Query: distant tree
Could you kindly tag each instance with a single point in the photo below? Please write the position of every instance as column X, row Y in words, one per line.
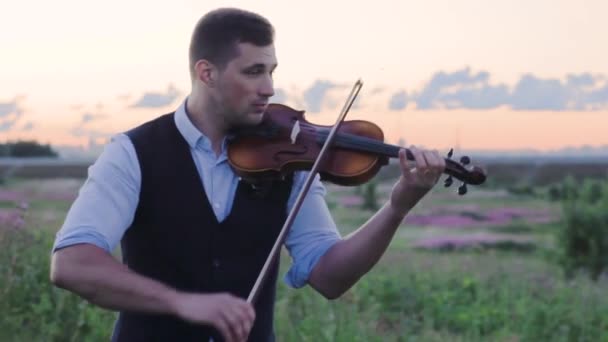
column 4, row 150
column 370, row 197
column 582, row 241
column 26, row 148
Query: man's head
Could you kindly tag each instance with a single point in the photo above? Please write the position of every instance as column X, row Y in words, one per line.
column 232, row 58
column 217, row 33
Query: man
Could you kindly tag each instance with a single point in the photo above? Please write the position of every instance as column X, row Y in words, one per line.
column 193, row 236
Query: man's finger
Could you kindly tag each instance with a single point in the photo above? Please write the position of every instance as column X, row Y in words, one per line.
column 421, row 163
column 222, row 325
column 244, row 323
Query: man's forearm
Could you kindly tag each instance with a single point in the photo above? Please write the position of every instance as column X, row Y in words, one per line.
column 96, row 276
column 356, row 254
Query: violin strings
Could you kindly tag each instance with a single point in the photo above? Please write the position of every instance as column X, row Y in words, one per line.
column 364, row 144
column 360, row 143
column 374, row 146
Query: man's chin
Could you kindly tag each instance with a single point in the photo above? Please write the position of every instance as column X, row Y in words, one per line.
column 250, row 119
column 255, row 117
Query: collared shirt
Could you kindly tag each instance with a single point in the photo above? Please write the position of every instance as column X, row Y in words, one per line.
column 106, row 203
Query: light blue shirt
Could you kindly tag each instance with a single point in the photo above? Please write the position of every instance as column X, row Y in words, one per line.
column 106, row 203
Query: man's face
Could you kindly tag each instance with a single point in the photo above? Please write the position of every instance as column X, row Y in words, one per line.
column 245, row 84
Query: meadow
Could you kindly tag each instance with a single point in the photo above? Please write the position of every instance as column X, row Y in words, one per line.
column 480, row 267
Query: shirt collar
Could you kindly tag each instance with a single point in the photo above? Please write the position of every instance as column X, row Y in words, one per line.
column 187, row 128
column 193, row 136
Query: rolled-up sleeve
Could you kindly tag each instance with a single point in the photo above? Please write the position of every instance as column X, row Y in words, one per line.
column 106, row 202
column 313, row 231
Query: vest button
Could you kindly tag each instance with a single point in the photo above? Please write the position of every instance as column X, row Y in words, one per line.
column 216, row 263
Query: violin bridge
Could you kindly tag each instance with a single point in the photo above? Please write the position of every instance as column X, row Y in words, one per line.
column 294, row 132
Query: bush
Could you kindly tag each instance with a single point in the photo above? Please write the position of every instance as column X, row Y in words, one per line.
column 554, row 193
column 522, row 190
column 370, row 197
column 33, row 308
column 27, row 148
column 583, row 238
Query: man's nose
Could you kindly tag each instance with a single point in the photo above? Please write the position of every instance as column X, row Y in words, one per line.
column 267, row 87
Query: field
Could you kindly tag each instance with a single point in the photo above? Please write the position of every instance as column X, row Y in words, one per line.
column 474, row 268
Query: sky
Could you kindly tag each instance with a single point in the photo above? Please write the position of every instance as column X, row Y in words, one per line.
column 472, row 74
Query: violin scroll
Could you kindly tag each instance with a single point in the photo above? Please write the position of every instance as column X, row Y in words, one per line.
column 474, row 176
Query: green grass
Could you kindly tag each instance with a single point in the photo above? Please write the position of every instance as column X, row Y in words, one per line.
column 411, row 295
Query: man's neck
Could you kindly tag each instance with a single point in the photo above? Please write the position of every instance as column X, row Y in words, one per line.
column 207, row 120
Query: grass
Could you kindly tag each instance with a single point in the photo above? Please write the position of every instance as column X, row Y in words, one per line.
column 411, row 295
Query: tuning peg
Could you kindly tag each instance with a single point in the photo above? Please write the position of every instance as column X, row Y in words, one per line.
column 462, row 189
column 464, row 160
column 450, row 153
column 448, row 181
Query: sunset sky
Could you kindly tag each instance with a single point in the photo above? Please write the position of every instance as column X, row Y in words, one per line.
column 475, row 74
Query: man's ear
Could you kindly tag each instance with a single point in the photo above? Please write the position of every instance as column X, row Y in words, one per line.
column 206, row 72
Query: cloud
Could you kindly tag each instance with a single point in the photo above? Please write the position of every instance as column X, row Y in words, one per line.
column 8, row 108
column 586, row 91
column 28, row 126
column 597, row 99
column 398, row 101
column 10, row 113
column 581, row 80
column 123, row 97
column 84, row 127
column 533, row 93
column 364, row 99
column 315, row 96
column 464, row 89
column 157, row 100
column 88, row 117
column 80, row 131
column 377, row 90
column 77, row 107
column 460, row 89
column 280, row 96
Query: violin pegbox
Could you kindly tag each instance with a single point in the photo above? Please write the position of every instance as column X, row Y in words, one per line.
column 459, row 170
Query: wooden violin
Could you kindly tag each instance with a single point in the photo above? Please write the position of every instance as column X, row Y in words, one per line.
column 285, row 142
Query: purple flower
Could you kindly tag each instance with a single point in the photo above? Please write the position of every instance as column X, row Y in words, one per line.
column 23, row 205
column 11, row 218
column 11, row 196
column 447, row 221
column 464, row 241
column 448, row 217
column 350, row 201
column 58, row 196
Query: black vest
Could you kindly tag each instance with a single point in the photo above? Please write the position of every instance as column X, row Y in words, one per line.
column 176, row 239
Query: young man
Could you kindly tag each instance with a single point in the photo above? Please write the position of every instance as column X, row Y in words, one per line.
column 193, row 236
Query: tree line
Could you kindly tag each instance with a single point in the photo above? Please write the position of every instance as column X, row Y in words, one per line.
column 26, row 148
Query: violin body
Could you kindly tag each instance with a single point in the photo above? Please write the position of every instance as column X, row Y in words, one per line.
column 285, row 142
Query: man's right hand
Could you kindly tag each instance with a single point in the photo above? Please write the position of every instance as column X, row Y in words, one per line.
column 94, row 274
column 232, row 316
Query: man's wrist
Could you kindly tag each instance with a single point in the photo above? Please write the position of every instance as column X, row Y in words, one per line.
column 171, row 298
column 397, row 212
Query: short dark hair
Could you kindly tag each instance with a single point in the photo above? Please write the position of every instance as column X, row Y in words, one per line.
column 216, row 34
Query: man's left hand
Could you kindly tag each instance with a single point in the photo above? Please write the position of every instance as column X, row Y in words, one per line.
column 416, row 181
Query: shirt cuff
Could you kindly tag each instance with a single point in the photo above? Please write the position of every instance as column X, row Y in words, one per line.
column 74, row 238
column 298, row 274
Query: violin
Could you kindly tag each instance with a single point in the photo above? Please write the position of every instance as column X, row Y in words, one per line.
column 285, row 142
